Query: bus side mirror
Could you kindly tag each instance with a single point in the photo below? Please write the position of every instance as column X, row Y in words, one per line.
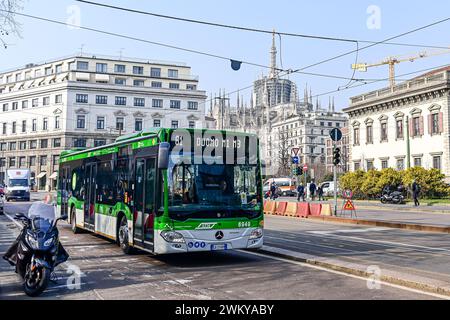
column 163, row 156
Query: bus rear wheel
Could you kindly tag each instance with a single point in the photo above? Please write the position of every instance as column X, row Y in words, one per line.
column 123, row 236
column 73, row 221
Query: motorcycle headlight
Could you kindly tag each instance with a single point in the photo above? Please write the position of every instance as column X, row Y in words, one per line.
column 257, row 233
column 173, row 237
column 48, row 242
column 32, row 242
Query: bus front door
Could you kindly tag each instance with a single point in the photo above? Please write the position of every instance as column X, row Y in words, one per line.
column 144, row 202
column 90, row 196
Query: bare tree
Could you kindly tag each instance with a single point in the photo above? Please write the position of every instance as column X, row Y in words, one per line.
column 284, row 151
column 8, row 22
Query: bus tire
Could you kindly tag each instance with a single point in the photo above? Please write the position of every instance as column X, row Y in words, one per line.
column 123, row 235
column 73, row 221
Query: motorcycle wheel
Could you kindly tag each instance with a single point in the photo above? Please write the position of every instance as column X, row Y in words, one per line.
column 383, row 200
column 36, row 282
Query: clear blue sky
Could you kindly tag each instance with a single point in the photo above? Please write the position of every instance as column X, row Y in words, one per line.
column 41, row 40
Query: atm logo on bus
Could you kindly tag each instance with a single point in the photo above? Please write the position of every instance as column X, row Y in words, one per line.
column 206, row 226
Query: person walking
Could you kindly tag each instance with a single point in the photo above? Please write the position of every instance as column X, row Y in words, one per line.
column 416, row 193
column 320, row 193
column 312, row 190
column 300, row 192
column 273, row 190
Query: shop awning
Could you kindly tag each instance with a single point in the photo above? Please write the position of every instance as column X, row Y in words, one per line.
column 41, row 175
column 54, row 175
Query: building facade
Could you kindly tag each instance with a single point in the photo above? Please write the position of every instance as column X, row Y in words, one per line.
column 404, row 126
column 86, row 101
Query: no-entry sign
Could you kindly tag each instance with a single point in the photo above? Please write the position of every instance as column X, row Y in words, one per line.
column 305, row 167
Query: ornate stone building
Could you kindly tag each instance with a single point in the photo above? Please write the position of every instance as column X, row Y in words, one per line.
column 402, row 127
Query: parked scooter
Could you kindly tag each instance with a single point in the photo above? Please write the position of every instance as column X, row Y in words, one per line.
column 37, row 250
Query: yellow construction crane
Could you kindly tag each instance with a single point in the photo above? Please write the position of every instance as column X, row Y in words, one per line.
column 392, row 61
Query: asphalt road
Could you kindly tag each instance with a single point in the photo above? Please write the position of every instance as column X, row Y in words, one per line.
column 418, row 254
column 106, row 273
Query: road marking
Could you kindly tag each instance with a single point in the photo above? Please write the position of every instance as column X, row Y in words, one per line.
column 350, row 231
column 348, row 275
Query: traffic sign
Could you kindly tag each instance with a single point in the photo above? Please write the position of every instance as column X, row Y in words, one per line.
column 336, row 134
column 348, row 194
column 295, row 151
column 349, row 206
column 295, row 160
column 305, row 167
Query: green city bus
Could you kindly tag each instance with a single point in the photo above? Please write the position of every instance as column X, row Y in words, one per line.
column 167, row 191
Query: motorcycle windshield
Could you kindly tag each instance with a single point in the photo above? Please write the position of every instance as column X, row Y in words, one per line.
column 42, row 216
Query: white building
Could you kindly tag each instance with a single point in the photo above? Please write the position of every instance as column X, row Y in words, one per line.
column 416, row 113
column 87, row 101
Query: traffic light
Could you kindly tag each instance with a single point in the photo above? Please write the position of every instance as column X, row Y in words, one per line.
column 300, row 171
column 336, row 156
column 294, row 171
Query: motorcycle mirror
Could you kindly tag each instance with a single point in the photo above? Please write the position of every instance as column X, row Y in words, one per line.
column 20, row 215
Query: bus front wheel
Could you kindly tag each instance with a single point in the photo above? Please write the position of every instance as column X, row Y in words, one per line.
column 73, row 221
column 123, row 236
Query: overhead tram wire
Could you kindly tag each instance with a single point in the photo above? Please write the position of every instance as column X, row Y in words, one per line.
column 235, row 27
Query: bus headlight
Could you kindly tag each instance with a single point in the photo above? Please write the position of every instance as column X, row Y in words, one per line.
column 256, row 234
column 173, row 237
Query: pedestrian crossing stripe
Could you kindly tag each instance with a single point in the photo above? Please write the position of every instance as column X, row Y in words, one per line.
column 349, row 206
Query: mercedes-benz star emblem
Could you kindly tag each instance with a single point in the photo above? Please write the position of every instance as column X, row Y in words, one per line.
column 219, row 235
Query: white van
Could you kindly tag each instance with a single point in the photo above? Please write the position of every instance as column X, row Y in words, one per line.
column 287, row 186
column 18, row 184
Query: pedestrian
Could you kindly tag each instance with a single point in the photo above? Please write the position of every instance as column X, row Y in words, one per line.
column 273, row 190
column 312, row 190
column 416, row 193
column 300, row 193
column 320, row 193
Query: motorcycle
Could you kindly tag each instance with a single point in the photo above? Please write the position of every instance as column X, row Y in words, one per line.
column 395, row 197
column 37, row 250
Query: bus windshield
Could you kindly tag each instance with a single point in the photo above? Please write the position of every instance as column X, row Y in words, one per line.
column 214, row 191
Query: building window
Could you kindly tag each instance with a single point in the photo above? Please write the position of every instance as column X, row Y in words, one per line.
column 82, row 65
column 155, row 73
column 44, row 144
column 34, row 125
column 22, row 162
column 191, row 124
column 3, row 146
column 157, row 123
column 12, row 162
column 58, row 99
column 121, row 101
column 174, row 124
column 82, row 98
column 15, row 106
column 33, row 144
column 138, row 70
column 121, row 81
column 25, row 104
column 370, row 165
column 156, row 84
column 45, row 124
column 384, row 164
column 99, row 142
column 138, row 125
column 35, row 103
column 437, row 162
column 5, row 107
column 13, row 129
column 417, row 162
column 79, row 142
column 81, row 122
column 58, row 68
column 46, row 101
column 12, row 146
column 175, row 104
column 101, row 68
column 174, row 86
column 357, row 166
column 434, row 124
column 139, row 102
column 57, row 122
column 22, row 145
column 119, row 68
column 399, row 129
column 32, row 161
column 417, row 126
column 191, row 87
column 101, row 99
column 48, row 71
column 24, row 126
column 100, row 123
column 369, row 134
column 138, row 83
column 157, row 103
column 384, row 132
column 120, row 123
column 192, row 105
column 356, row 136
column 172, row 73
column 57, row 143
column 400, row 164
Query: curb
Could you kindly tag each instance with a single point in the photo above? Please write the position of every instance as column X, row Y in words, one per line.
column 386, row 224
column 406, row 209
column 354, row 269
